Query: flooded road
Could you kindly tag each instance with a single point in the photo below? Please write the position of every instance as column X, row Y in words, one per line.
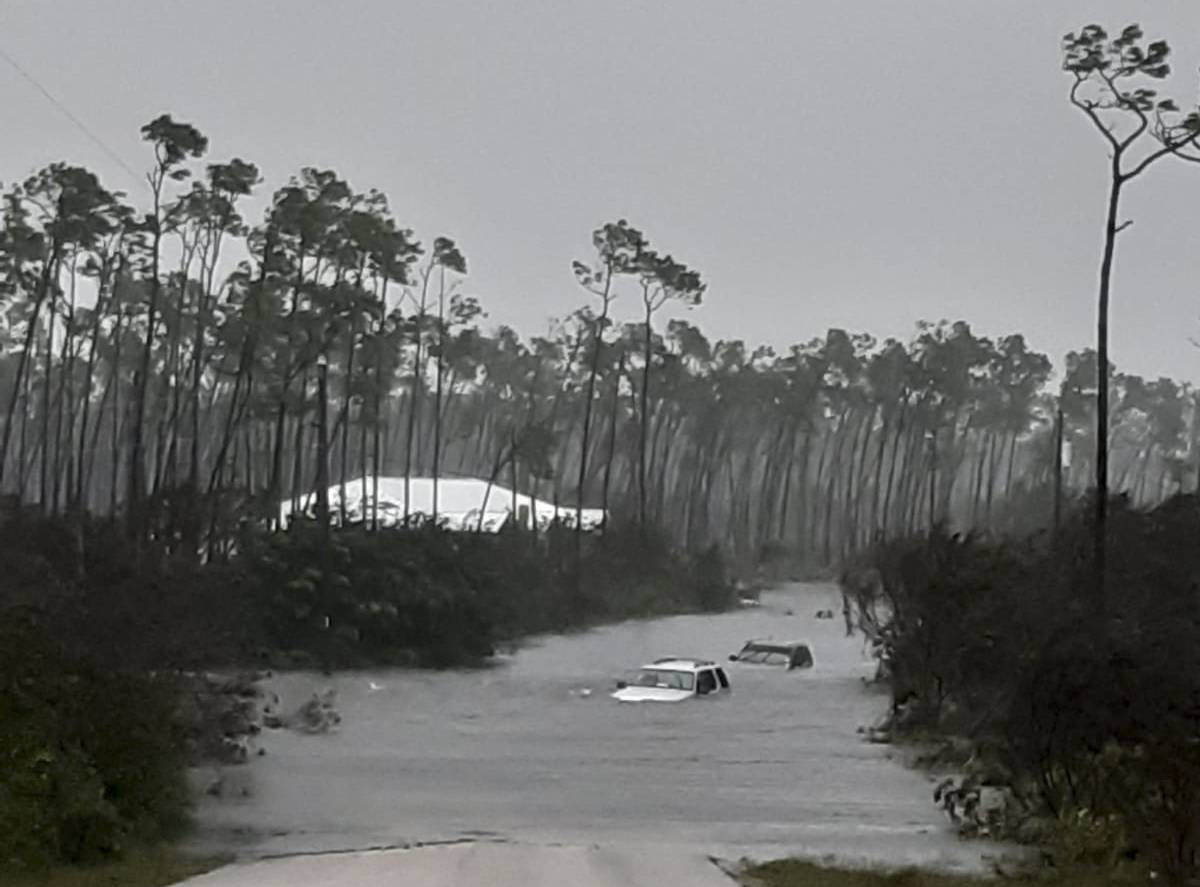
column 519, row 753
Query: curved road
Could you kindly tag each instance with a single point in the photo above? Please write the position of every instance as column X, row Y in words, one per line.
column 522, row 753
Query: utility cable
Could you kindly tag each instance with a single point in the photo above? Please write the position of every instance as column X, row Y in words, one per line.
column 66, row 112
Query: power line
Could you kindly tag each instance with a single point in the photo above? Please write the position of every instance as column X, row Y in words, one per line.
column 67, row 113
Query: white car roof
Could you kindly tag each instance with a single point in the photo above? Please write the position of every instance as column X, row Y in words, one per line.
column 678, row 663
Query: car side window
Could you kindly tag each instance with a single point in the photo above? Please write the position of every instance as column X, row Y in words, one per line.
column 706, row 682
column 724, row 680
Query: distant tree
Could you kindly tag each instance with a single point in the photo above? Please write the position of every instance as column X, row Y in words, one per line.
column 447, row 257
column 662, row 280
column 174, row 143
column 1140, row 129
column 619, row 248
column 810, row 453
column 59, row 212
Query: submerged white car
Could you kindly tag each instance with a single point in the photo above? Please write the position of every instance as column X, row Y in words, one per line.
column 673, row 680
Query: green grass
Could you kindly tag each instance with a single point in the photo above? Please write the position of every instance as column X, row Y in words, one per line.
column 150, row 868
column 794, row 873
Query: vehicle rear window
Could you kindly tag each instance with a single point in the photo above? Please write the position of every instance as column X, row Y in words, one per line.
column 766, row 655
column 661, row 677
column 721, row 677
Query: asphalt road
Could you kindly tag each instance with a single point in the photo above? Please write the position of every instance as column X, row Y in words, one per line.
column 479, row 865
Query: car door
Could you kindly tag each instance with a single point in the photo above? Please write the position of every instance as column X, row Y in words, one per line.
column 706, row 682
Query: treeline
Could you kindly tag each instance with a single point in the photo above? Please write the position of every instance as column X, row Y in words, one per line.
column 1083, row 729
column 166, row 363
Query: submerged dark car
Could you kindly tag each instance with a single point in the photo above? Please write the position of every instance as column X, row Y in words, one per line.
column 792, row 654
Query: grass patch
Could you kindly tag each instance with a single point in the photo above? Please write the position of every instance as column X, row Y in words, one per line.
column 795, row 873
column 146, row 868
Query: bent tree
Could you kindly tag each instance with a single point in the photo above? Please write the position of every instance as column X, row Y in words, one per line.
column 1140, row 128
column 174, row 143
column 619, row 248
column 662, row 280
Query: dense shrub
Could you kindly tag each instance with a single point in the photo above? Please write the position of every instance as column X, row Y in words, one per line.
column 354, row 597
column 1095, row 723
column 429, row 596
column 98, row 718
column 91, row 760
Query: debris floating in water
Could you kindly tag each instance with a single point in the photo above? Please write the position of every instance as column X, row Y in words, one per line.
column 318, row 715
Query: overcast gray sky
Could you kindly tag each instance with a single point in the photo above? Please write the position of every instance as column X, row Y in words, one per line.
column 852, row 164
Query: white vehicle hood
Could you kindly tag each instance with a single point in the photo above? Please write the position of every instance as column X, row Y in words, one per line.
column 650, row 694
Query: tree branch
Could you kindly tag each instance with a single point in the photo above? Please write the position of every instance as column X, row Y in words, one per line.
column 1089, row 108
column 1121, row 227
column 1129, row 105
column 1168, row 147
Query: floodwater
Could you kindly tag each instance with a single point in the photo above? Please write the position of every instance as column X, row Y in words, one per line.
column 523, row 753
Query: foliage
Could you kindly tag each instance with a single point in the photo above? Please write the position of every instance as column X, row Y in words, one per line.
column 1113, row 85
column 159, row 366
column 1091, row 726
column 91, row 759
column 92, row 744
column 98, row 716
column 159, row 867
column 425, row 595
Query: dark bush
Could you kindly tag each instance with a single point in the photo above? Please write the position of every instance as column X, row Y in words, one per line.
column 91, row 758
column 350, row 596
column 98, row 718
column 1095, row 720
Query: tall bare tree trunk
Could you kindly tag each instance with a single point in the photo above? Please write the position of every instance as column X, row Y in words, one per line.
column 1100, row 529
column 612, row 438
column 593, row 372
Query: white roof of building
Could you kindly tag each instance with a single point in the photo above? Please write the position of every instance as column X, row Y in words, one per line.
column 460, row 502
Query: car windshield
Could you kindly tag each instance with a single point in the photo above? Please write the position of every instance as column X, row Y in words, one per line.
column 662, row 677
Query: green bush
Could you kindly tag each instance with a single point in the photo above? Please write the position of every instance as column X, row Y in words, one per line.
column 350, row 596
column 1095, row 721
column 91, row 759
column 90, row 751
column 97, row 721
